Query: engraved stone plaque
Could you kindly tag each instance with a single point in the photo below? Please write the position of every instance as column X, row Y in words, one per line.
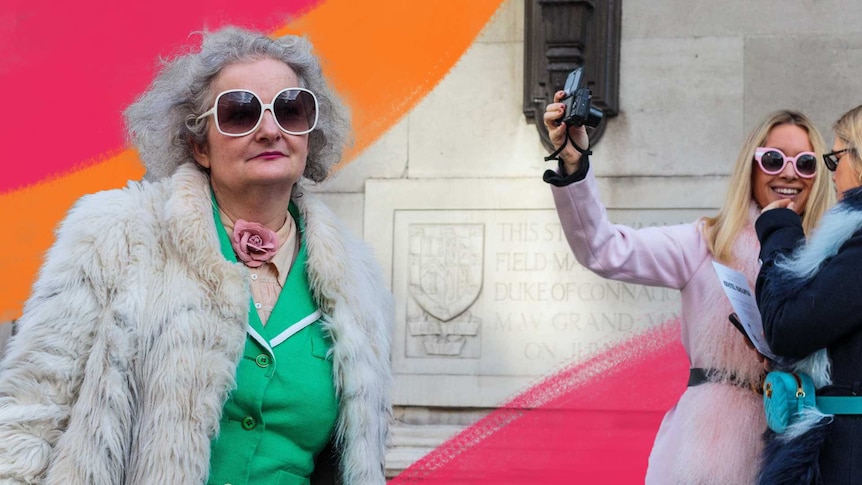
column 445, row 278
column 490, row 298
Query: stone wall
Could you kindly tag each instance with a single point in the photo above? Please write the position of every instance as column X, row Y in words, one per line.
column 488, row 296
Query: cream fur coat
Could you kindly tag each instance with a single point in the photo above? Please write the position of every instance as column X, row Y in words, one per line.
column 128, row 346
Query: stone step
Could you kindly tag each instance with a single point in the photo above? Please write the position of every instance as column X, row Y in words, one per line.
column 409, row 443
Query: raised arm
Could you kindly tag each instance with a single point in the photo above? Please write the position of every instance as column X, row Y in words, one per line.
column 660, row 256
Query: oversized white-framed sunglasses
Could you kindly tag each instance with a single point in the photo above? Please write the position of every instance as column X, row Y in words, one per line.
column 238, row 112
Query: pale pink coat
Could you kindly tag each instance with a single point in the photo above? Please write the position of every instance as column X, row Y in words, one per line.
column 713, row 434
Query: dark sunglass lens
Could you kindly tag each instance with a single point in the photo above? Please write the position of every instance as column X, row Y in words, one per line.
column 831, row 161
column 238, row 112
column 772, row 161
column 295, row 110
column 806, row 164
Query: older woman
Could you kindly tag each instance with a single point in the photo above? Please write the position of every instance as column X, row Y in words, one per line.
column 809, row 300
column 713, row 434
column 214, row 323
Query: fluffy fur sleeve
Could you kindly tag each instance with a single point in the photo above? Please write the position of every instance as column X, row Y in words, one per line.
column 45, row 363
column 348, row 282
column 363, row 364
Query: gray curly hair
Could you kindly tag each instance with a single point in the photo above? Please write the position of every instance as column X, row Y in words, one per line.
column 156, row 122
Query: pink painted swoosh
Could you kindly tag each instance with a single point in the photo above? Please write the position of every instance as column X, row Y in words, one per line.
column 593, row 422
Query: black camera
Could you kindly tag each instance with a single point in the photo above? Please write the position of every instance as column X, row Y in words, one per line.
column 579, row 108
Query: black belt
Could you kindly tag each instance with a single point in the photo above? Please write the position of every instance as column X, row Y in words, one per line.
column 698, row 376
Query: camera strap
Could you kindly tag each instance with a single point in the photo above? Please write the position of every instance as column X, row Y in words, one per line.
column 556, row 154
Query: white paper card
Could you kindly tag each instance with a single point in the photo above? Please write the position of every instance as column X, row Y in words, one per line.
column 744, row 305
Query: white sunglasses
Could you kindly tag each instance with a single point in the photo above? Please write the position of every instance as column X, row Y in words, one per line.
column 238, row 112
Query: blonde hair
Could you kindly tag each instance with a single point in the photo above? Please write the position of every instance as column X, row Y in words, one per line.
column 721, row 231
column 849, row 129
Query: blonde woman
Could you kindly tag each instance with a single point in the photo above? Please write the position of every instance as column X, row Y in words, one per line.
column 713, row 434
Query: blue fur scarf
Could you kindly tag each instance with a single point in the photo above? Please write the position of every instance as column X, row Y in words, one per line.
column 792, row 457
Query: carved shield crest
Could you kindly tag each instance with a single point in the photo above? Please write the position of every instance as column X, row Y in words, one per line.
column 446, row 265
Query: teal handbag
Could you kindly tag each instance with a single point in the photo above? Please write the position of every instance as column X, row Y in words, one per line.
column 785, row 395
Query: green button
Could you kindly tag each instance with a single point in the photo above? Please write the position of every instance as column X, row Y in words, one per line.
column 248, row 423
column 262, row 360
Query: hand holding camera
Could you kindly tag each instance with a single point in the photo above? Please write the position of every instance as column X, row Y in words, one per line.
column 566, row 117
column 570, row 158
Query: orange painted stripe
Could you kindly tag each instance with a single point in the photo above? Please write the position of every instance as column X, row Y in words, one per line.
column 383, row 56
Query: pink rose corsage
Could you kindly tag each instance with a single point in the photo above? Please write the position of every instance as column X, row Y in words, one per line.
column 253, row 243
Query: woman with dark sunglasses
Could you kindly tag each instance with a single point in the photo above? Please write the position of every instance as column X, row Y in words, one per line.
column 713, row 434
column 214, row 323
column 810, row 300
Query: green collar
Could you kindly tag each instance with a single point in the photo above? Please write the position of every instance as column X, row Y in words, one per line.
column 295, row 304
